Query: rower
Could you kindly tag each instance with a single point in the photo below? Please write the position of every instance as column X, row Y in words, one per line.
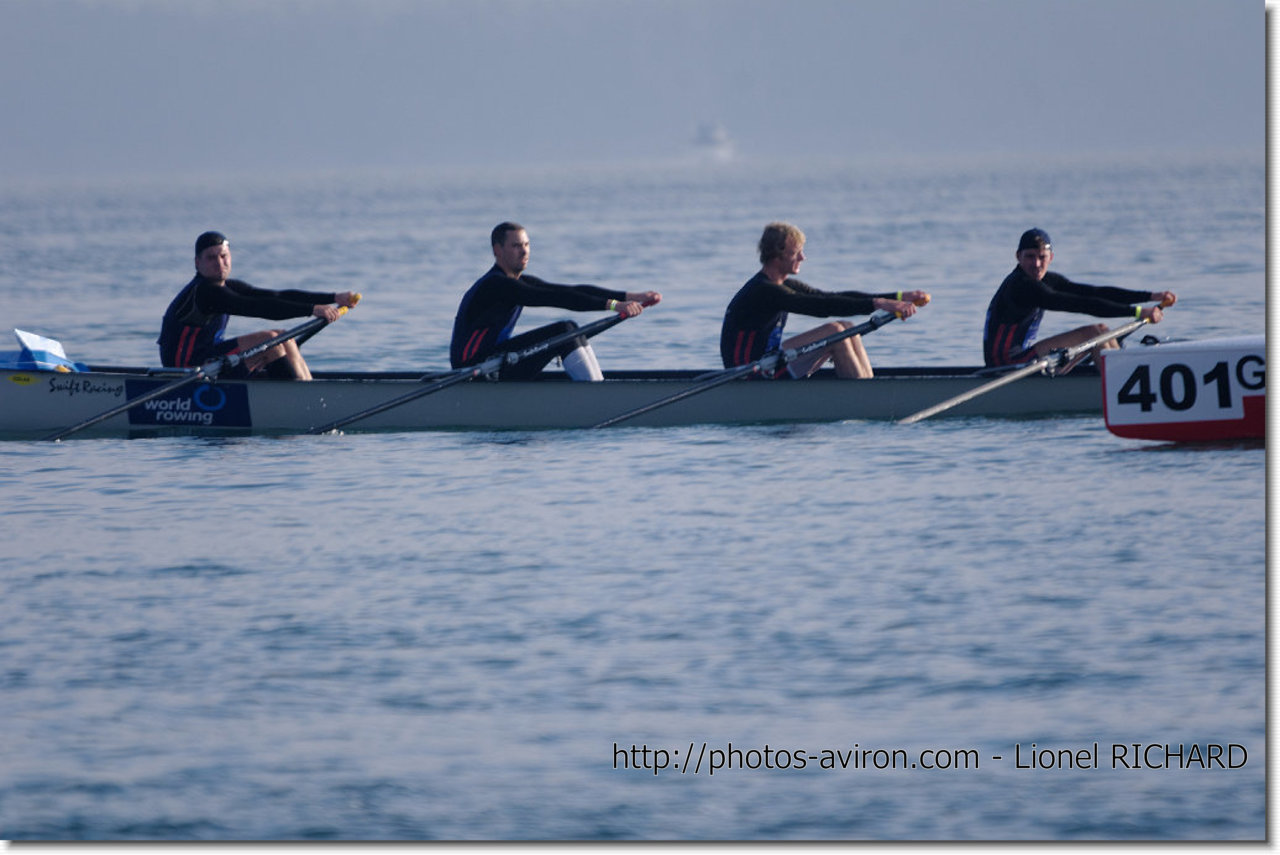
column 490, row 308
column 757, row 313
column 193, row 326
column 1019, row 304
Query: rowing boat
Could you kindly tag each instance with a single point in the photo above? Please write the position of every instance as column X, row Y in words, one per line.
column 35, row 403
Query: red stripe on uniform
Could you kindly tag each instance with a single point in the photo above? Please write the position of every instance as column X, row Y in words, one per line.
column 473, row 344
column 186, row 344
column 1003, row 341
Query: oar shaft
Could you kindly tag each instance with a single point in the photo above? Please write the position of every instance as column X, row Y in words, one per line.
column 1004, row 380
column 342, row 311
column 718, row 380
column 231, row 360
column 462, row 375
column 209, row 371
column 877, row 320
column 766, row 364
column 195, row 376
column 1048, row 362
column 591, row 329
column 1119, row 332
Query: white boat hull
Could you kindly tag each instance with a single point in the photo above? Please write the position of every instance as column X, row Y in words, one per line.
column 34, row 404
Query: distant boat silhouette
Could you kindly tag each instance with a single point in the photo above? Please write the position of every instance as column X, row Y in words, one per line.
column 712, row 141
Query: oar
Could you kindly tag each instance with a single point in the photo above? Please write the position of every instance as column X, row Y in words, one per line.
column 770, row 362
column 209, row 371
column 1049, row 363
column 470, row 372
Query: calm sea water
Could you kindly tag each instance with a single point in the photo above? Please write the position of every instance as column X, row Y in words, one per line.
column 524, row 635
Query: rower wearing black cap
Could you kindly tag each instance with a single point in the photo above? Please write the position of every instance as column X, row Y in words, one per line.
column 193, row 326
column 1015, row 312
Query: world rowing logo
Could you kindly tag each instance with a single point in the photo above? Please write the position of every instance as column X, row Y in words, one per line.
column 207, row 405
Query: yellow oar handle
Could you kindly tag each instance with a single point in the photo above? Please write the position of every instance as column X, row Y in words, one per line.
column 922, row 300
column 342, row 310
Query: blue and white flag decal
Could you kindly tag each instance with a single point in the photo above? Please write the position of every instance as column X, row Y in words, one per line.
column 38, row 354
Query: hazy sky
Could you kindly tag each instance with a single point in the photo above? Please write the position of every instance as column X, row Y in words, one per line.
column 131, row 86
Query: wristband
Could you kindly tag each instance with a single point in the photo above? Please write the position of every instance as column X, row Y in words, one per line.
column 899, row 296
column 611, row 305
column 1137, row 312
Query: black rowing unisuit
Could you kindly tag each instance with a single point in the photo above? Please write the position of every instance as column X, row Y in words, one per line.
column 1014, row 314
column 755, row 317
column 192, row 329
column 490, row 308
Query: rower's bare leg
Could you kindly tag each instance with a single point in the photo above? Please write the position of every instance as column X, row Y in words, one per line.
column 848, row 355
column 1072, row 338
column 858, row 351
column 288, row 352
column 808, row 364
column 293, row 357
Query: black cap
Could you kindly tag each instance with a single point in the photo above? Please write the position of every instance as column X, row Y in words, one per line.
column 209, row 239
column 1034, row 239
